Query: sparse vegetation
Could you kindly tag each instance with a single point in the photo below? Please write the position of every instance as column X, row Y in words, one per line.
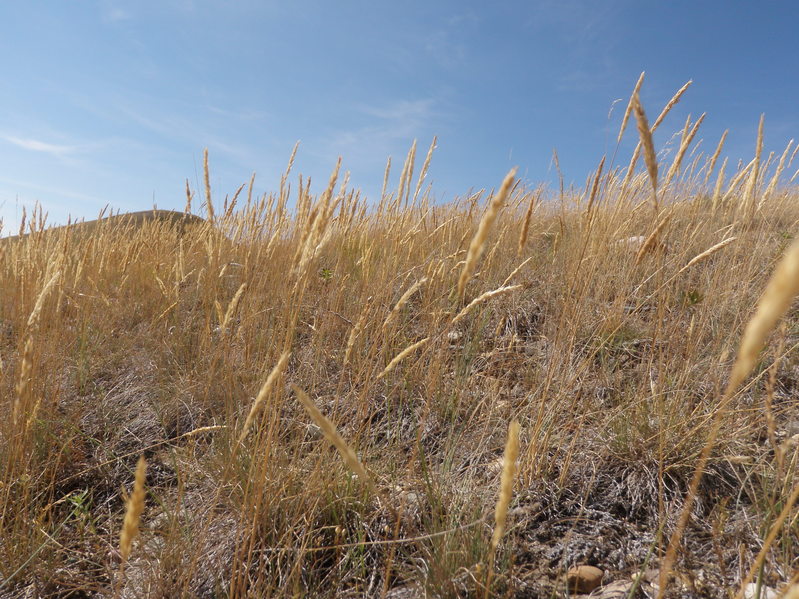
column 330, row 394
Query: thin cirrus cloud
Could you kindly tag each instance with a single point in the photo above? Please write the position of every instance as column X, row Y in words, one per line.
column 169, row 126
column 384, row 130
column 112, row 11
column 390, row 124
column 117, row 14
column 402, row 110
column 49, row 189
column 35, row 145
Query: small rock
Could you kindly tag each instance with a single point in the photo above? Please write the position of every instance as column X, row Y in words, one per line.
column 407, row 592
column 750, row 592
column 615, row 590
column 634, row 242
column 584, row 579
column 651, row 575
column 314, row 431
column 454, row 337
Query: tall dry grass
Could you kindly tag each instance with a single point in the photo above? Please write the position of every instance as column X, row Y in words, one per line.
column 606, row 321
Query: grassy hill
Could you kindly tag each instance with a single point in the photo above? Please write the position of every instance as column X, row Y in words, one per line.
column 323, row 394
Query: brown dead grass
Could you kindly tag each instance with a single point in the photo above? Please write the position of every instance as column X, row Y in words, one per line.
column 416, row 349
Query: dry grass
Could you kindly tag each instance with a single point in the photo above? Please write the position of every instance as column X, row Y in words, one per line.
column 650, row 158
column 657, row 423
column 477, row 245
column 133, row 512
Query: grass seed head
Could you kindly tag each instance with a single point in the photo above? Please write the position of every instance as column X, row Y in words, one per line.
column 478, row 241
column 506, row 483
column 650, row 158
column 209, row 205
column 402, row 355
column 331, row 434
column 133, row 511
column 670, row 104
column 715, row 156
column 782, row 288
column 630, row 106
column 266, row 388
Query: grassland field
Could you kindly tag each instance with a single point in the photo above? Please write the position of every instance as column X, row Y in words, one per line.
column 339, row 396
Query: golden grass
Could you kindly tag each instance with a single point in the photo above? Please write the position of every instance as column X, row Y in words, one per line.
column 685, row 143
column 506, row 484
column 402, row 355
column 749, row 203
column 776, row 528
column 402, row 301
column 782, row 288
column 651, row 240
column 635, row 101
column 484, row 297
column 425, row 167
column 772, row 185
column 263, row 394
column 669, row 105
column 478, row 241
column 712, row 164
column 133, row 510
column 707, row 253
column 717, row 189
column 650, row 158
column 629, row 108
column 209, row 205
column 23, row 383
column 421, row 329
column 232, row 307
column 33, row 319
column 332, row 435
column 507, row 479
column 526, row 225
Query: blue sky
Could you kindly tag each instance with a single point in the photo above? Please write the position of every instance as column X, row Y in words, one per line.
column 111, row 102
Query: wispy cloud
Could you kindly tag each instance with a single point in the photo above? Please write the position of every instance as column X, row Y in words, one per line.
column 580, row 22
column 244, row 114
column 35, row 145
column 385, row 130
column 114, row 12
column 27, row 187
column 585, row 31
column 171, row 127
column 468, row 17
column 581, row 78
column 401, row 111
column 392, row 124
column 118, row 14
column 163, row 124
column 445, row 49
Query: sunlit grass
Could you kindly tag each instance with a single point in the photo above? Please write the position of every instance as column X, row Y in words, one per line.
column 323, row 386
